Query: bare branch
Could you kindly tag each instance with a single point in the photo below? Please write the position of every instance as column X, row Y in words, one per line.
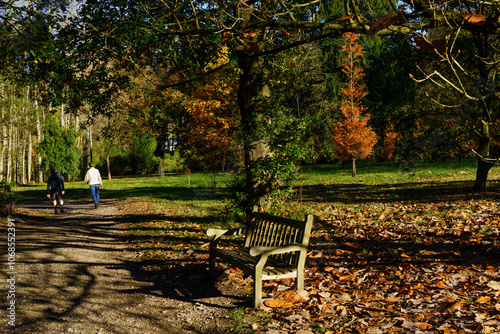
column 488, row 160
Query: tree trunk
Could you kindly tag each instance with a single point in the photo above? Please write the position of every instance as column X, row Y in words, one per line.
column 483, row 167
column 2, row 150
column 87, row 148
column 30, row 157
column 487, row 93
column 39, row 129
column 256, row 148
column 64, row 124
column 23, row 161
column 354, row 174
column 9, row 155
column 109, row 165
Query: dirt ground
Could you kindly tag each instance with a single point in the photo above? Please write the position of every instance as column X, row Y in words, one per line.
column 75, row 273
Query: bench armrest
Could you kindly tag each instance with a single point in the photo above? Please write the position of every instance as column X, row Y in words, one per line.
column 217, row 233
column 263, row 250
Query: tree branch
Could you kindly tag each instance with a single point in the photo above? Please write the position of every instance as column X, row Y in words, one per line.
column 488, row 160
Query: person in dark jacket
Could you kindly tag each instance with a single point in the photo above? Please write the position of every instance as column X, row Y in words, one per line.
column 55, row 189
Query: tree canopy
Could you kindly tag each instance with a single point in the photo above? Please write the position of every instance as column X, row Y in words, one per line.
column 87, row 60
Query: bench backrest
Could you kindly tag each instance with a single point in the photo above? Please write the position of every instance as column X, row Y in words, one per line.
column 268, row 230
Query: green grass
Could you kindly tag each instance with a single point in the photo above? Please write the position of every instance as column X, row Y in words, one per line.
column 170, row 187
column 390, row 172
column 195, row 199
column 323, row 183
column 385, row 182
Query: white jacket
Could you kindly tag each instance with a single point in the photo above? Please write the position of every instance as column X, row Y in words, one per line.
column 93, row 176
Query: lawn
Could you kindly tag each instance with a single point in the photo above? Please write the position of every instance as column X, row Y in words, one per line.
column 392, row 251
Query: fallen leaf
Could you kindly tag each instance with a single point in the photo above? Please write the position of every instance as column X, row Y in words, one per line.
column 424, row 325
column 418, row 286
column 392, row 299
column 442, row 285
column 494, row 285
column 277, row 303
column 326, row 307
column 455, row 307
column 483, row 299
column 273, row 303
column 490, row 329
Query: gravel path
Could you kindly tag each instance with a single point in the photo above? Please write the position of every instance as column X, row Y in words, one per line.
column 74, row 274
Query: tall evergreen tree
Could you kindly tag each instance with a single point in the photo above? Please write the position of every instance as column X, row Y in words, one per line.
column 354, row 138
column 59, row 149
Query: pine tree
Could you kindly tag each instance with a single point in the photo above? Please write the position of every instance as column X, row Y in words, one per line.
column 59, row 149
column 354, row 138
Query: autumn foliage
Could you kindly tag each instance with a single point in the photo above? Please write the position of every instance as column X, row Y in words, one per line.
column 354, row 138
column 211, row 133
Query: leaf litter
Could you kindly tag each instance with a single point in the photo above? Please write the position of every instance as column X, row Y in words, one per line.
column 404, row 267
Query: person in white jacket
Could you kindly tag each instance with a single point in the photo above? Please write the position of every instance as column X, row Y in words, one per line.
column 93, row 179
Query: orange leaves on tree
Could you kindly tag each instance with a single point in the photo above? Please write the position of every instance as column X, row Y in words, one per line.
column 211, row 132
column 354, row 138
column 345, row 17
column 430, row 46
column 476, row 19
column 389, row 145
column 383, row 23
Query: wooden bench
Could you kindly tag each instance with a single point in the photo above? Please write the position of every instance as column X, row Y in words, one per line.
column 273, row 248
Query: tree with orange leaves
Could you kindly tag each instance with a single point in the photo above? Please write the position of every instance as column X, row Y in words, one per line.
column 354, row 138
column 211, row 135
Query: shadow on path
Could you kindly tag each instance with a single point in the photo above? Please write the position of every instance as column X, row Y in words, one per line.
column 75, row 274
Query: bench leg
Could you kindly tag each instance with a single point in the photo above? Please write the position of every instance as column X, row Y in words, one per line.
column 211, row 260
column 211, row 265
column 257, row 290
column 300, row 280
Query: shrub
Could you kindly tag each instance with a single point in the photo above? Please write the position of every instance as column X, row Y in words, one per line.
column 7, row 199
column 120, row 164
column 143, row 156
column 172, row 163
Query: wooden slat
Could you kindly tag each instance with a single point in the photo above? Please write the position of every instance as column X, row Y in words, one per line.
column 278, row 219
column 241, row 259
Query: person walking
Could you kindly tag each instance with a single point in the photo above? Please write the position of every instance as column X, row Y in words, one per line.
column 55, row 189
column 93, row 179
